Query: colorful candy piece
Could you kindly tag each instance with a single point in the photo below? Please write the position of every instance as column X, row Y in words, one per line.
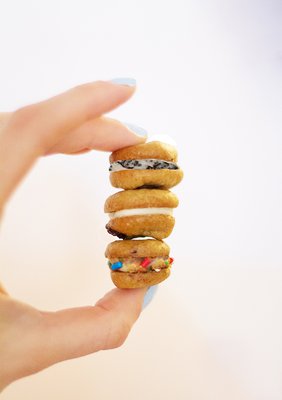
column 145, row 262
column 171, row 260
column 116, row 266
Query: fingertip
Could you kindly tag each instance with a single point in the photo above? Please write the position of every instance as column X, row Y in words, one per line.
column 127, row 90
column 130, row 82
column 117, row 135
column 132, row 135
column 137, row 130
column 101, row 96
column 125, row 86
column 128, row 302
column 129, row 298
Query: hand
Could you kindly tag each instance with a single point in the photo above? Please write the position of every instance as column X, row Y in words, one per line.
column 71, row 123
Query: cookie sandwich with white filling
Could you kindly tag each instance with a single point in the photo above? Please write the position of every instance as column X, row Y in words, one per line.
column 141, row 213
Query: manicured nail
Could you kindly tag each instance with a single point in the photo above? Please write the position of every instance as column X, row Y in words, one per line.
column 124, row 81
column 136, row 129
column 149, row 296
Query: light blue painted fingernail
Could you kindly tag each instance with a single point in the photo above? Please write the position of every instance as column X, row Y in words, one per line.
column 124, row 81
column 136, row 129
column 152, row 290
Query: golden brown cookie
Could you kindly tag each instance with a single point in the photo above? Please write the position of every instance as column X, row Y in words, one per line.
column 140, row 198
column 138, row 280
column 140, row 213
column 138, row 263
column 137, row 248
column 152, row 164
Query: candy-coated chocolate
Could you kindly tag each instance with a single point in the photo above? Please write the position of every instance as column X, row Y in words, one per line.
column 145, row 262
column 116, row 265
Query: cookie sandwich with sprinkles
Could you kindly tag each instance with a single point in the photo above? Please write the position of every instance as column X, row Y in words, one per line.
column 138, row 263
column 152, row 164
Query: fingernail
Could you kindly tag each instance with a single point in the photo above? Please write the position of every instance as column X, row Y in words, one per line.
column 124, row 81
column 136, row 129
column 152, row 290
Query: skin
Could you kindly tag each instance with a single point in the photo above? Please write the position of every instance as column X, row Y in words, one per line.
column 70, row 123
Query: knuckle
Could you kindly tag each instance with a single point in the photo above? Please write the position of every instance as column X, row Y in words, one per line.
column 119, row 336
column 27, row 120
column 24, row 115
column 118, row 326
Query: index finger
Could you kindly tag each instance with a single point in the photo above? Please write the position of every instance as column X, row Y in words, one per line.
column 33, row 129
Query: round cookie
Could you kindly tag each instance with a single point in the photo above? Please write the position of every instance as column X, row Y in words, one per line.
column 139, row 280
column 155, row 226
column 156, row 149
column 137, row 248
column 138, row 263
column 152, row 164
column 141, row 213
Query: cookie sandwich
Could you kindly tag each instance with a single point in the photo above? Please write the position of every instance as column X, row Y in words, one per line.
column 138, row 263
column 141, row 213
column 152, row 164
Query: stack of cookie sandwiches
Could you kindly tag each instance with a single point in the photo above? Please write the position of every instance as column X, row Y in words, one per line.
column 143, row 209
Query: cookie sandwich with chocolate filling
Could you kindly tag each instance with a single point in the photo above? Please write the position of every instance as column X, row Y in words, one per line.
column 138, row 263
column 152, row 164
column 141, row 213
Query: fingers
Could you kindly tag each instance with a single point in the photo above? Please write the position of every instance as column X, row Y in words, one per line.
column 65, row 112
column 34, row 129
column 80, row 331
column 102, row 133
column 2, row 289
column 4, row 117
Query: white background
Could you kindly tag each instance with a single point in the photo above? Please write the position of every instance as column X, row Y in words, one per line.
column 209, row 75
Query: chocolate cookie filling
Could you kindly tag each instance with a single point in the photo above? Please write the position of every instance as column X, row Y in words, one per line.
column 142, row 164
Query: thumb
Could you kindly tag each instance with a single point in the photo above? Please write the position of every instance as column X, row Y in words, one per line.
column 76, row 332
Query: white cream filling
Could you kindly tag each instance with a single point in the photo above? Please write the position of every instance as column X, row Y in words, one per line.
column 141, row 211
column 143, row 164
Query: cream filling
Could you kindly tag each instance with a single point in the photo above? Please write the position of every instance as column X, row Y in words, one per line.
column 141, row 211
column 143, row 164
